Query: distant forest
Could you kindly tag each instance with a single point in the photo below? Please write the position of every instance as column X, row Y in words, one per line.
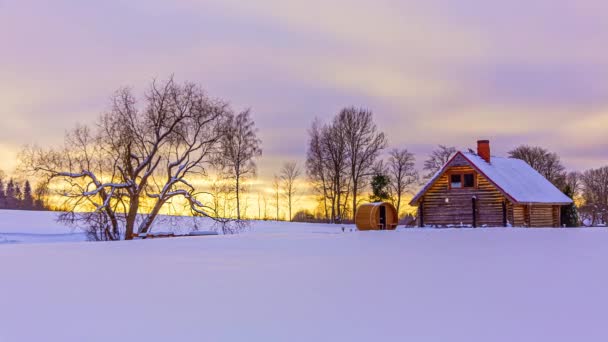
column 21, row 196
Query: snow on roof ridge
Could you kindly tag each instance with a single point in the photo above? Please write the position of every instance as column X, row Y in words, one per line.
column 518, row 180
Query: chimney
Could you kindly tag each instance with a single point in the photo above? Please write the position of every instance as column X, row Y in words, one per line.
column 483, row 149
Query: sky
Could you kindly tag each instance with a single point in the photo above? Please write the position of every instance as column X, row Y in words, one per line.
column 433, row 71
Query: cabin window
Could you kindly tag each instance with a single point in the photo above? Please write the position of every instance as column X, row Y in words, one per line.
column 462, row 180
column 456, row 181
column 469, row 180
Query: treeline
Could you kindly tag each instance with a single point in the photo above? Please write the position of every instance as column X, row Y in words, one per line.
column 20, row 196
column 588, row 189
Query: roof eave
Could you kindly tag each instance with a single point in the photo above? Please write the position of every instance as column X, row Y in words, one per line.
column 543, row 203
column 416, row 199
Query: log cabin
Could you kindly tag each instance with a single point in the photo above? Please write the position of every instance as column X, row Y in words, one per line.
column 480, row 190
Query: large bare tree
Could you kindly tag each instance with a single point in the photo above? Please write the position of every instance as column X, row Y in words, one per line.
column 239, row 147
column 546, row 163
column 402, row 173
column 140, row 158
column 364, row 143
column 289, row 176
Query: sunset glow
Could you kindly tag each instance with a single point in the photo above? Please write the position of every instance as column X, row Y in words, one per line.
column 432, row 72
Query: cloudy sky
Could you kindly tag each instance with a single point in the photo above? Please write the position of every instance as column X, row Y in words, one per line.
column 433, row 71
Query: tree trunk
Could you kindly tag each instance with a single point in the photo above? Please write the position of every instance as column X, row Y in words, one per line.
column 338, row 195
column 325, row 202
column 238, row 201
column 145, row 226
column 355, row 188
column 277, row 206
column 289, row 204
column 131, row 217
column 398, row 204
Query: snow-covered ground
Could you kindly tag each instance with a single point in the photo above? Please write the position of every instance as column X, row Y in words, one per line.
column 42, row 227
column 298, row 282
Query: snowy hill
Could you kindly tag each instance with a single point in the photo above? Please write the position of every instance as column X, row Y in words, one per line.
column 296, row 282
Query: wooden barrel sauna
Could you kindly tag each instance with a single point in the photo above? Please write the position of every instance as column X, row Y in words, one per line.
column 376, row 216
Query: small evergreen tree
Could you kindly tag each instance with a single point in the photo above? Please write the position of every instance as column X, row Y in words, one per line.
column 2, row 195
column 11, row 199
column 18, row 196
column 380, row 183
column 569, row 213
column 28, row 199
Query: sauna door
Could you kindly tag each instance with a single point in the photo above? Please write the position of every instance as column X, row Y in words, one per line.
column 382, row 217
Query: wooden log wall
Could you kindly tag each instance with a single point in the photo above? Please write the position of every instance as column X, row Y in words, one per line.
column 510, row 213
column 519, row 216
column 541, row 215
column 536, row 215
column 557, row 218
column 459, row 210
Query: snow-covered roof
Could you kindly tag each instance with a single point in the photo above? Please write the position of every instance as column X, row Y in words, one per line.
column 513, row 177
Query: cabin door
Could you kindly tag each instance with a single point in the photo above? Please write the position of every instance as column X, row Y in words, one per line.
column 382, row 217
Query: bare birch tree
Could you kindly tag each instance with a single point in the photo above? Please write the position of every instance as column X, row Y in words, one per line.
column 276, row 188
column 135, row 158
column 289, row 176
column 239, row 147
column 402, row 173
column 265, row 201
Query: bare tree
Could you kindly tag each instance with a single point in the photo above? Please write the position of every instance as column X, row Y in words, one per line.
column 336, row 151
column 327, row 167
column 316, row 166
column 219, row 194
column 402, row 174
column 574, row 180
column 595, row 195
column 363, row 145
column 239, row 147
column 546, row 163
column 276, row 187
column 136, row 158
column 289, row 175
column 437, row 159
column 265, row 201
column 259, row 205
